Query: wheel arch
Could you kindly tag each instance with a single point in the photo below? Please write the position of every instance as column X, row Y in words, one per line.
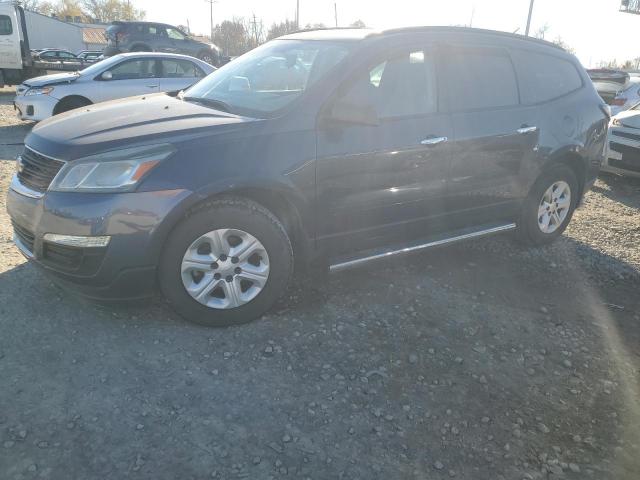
column 63, row 100
column 280, row 200
column 572, row 157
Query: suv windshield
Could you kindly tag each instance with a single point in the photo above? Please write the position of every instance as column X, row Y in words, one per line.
column 269, row 78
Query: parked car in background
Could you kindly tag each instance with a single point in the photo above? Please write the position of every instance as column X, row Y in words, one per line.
column 157, row 37
column 608, row 83
column 123, row 75
column 89, row 55
column 54, row 55
column 627, row 98
column 623, row 153
column 331, row 147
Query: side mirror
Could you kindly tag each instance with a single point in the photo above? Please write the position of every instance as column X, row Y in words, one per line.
column 358, row 114
column 106, row 75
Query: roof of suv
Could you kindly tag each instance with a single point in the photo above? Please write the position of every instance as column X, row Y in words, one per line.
column 356, row 34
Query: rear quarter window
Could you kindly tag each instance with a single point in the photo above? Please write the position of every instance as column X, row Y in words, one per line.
column 545, row 77
column 6, row 28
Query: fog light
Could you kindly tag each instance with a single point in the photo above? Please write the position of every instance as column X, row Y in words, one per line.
column 77, row 241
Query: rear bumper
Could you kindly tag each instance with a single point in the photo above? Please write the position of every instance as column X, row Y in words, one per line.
column 125, row 269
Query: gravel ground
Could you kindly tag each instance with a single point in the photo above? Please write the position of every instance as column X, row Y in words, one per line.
column 482, row 361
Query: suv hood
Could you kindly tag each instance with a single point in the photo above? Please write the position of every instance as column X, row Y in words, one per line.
column 54, row 79
column 129, row 122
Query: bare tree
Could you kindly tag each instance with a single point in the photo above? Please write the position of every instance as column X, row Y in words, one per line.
column 358, row 24
column 232, row 36
column 279, row 29
column 111, row 10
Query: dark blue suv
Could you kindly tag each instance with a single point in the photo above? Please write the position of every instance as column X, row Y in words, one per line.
column 327, row 148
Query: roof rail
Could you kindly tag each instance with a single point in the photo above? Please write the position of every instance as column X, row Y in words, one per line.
column 321, row 29
column 470, row 30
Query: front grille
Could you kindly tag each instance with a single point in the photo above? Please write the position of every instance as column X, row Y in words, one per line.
column 632, row 136
column 37, row 171
column 25, row 237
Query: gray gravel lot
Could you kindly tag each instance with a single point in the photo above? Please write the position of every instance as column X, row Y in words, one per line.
column 482, row 361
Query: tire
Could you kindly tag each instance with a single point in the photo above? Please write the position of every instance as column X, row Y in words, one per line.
column 538, row 229
column 72, row 103
column 232, row 216
column 207, row 57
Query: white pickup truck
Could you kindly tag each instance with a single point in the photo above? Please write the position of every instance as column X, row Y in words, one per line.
column 16, row 63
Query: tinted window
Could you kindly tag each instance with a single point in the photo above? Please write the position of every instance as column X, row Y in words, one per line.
column 157, row 30
column 66, row 55
column 401, row 85
column 544, row 77
column 180, row 69
column 174, row 34
column 5, row 25
column 480, row 79
column 134, row 69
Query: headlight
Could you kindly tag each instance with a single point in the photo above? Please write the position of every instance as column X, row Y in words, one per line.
column 117, row 170
column 39, row 91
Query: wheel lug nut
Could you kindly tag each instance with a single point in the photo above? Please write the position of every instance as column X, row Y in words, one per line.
column 223, row 258
column 235, row 259
column 217, row 276
column 214, row 266
column 229, row 278
column 238, row 270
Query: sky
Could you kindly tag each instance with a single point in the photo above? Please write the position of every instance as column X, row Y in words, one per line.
column 594, row 28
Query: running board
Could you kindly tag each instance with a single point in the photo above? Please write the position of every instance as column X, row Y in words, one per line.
column 345, row 263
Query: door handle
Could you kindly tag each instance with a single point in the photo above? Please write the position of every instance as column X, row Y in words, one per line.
column 433, row 141
column 523, row 130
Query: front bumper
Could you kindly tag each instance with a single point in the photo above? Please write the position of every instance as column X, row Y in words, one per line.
column 136, row 222
column 623, row 152
column 34, row 107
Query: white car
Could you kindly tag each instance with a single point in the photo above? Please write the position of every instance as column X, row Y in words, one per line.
column 628, row 97
column 623, row 156
column 120, row 76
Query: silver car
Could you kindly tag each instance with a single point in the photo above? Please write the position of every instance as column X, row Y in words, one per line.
column 623, row 156
column 120, row 76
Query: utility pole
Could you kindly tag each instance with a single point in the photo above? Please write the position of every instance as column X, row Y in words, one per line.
column 335, row 12
column 526, row 33
column 211, row 2
column 297, row 14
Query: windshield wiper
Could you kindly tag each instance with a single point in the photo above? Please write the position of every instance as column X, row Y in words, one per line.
column 210, row 102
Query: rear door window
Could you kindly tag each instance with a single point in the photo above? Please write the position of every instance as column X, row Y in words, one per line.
column 544, row 77
column 180, row 69
column 480, row 78
column 6, row 28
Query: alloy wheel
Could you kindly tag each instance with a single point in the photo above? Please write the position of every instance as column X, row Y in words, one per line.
column 554, row 207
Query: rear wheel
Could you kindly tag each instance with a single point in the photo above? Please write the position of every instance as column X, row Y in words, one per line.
column 207, row 57
column 226, row 264
column 548, row 209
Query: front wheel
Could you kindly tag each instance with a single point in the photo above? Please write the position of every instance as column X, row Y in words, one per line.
column 548, row 209
column 226, row 264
